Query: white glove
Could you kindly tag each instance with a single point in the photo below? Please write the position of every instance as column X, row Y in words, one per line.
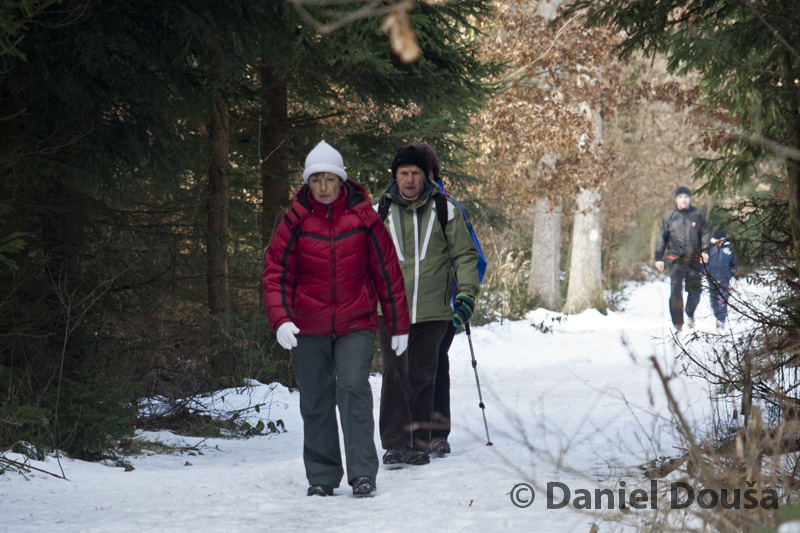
column 286, row 335
column 399, row 343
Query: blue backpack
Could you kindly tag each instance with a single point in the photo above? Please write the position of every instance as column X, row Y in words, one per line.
column 481, row 257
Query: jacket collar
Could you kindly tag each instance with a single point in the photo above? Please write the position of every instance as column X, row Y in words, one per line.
column 352, row 194
column 428, row 189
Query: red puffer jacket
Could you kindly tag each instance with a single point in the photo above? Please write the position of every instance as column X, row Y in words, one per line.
column 325, row 265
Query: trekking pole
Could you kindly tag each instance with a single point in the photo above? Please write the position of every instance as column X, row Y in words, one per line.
column 478, row 382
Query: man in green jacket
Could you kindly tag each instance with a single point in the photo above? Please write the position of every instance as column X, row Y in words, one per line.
column 434, row 247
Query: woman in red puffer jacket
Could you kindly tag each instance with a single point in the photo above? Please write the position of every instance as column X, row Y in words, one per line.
column 329, row 263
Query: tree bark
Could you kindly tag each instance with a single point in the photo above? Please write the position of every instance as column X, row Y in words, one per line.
column 549, row 8
column 544, row 280
column 585, row 273
column 12, row 187
column 218, row 185
column 792, row 165
column 275, row 186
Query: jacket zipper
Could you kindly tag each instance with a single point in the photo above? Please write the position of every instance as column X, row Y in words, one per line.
column 416, row 267
column 333, row 269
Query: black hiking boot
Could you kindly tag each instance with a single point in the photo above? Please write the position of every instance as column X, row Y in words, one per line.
column 418, row 457
column 319, row 490
column 395, row 455
column 439, row 447
column 363, row 486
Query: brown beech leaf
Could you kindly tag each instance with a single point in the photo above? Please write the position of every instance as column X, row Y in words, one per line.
column 401, row 36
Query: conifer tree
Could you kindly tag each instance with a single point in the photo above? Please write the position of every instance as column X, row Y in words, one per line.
column 349, row 88
column 112, row 113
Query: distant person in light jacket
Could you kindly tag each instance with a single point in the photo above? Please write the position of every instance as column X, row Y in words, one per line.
column 684, row 237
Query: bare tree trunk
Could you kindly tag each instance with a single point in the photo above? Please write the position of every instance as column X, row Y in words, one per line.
column 585, row 273
column 549, row 8
column 585, row 289
column 793, row 166
column 544, row 280
column 275, row 187
column 656, row 228
column 218, row 182
column 11, row 186
column 793, row 175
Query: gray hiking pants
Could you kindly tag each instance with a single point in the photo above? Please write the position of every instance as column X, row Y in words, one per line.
column 333, row 372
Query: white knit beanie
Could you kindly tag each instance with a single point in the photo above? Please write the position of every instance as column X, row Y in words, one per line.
column 324, row 158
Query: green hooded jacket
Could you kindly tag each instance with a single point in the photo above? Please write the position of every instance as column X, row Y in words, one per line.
column 429, row 261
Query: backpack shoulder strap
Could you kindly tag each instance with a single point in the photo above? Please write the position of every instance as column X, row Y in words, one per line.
column 672, row 214
column 441, row 211
column 383, row 209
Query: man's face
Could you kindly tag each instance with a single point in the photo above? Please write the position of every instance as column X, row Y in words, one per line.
column 683, row 201
column 410, row 179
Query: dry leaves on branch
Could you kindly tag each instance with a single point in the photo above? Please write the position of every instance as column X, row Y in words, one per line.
column 561, row 79
column 401, row 36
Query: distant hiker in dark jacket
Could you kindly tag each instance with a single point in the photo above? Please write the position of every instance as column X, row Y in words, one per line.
column 433, row 251
column 440, row 430
column 722, row 267
column 685, row 239
column 329, row 262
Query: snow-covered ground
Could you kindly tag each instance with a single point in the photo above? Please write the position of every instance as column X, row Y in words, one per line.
column 579, row 405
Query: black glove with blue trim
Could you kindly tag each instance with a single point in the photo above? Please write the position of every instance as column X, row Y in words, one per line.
column 463, row 308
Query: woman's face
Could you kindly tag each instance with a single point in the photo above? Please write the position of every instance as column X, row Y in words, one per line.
column 325, row 187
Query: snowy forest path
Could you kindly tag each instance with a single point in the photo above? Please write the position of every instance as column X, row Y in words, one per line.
column 578, row 405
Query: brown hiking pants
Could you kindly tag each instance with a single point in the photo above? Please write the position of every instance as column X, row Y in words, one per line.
column 408, row 385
